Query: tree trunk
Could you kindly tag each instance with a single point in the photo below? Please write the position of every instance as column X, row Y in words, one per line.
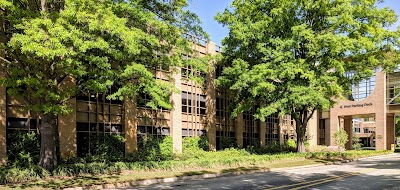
column 301, row 136
column 48, row 156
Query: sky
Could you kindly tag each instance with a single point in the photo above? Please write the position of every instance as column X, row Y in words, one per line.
column 207, row 9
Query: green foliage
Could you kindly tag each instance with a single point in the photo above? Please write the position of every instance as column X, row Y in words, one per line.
column 153, row 148
column 291, row 56
column 76, row 47
column 106, row 147
column 341, row 138
column 101, row 44
column 23, row 149
column 226, row 158
column 227, row 142
column 291, row 144
column 356, row 142
column 14, row 174
column 194, row 143
column 274, row 148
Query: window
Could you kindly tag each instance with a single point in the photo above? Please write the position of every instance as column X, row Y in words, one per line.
column 25, row 124
column 366, row 130
column 193, row 132
column 99, row 121
column 192, row 102
column 321, row 131
column 155, row 131
column 369, row 119
column 225, row 139
column 201, row 105
column 362, row 89
column 251, row 128
column 225, row 124
column 357, row 130
column 186, row 102
column 272, row 123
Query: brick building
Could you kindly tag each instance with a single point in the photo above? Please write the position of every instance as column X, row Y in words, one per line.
column 369, row 113
column 198, row 111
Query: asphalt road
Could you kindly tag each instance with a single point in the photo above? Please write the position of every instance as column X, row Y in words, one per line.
column 375, row 173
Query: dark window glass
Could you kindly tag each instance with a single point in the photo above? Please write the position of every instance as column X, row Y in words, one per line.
column 17, row 123
column 82, row 126
column 141, row 129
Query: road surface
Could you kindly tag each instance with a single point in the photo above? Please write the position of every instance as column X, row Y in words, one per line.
column 382, row 172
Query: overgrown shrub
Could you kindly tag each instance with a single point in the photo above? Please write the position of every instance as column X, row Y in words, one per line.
column 111, row 147
column 275, row 147
column 153, row 148
column 23, row 149
column 341, row 138
column 290, row 145
column 356, row 142
column 194, row 143
column 15, row 174
column 228, row 143
column 105, row 147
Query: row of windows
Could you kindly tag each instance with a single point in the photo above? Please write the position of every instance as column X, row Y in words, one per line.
column 366, row 130
column 22, row 123
column 150, row 130
column 99, row 127
column 193, row 132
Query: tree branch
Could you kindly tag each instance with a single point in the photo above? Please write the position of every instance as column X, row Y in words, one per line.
column 5, row 60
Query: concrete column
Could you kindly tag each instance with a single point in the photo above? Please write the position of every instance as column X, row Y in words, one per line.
column 130, row 123
column 67, row 125
column 176, row 113
column 334, row 124
column 239, row 129
column 348, row 127
column 3, row 144
column 380, row 131
column 312, row 130
column 327, row 127
column 211, row 97
column 262, row 132
column 281, row 127
column 390, row 133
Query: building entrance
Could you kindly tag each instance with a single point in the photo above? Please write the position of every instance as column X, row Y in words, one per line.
column 364, row 132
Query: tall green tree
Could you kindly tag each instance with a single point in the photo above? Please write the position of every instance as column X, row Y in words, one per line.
column 291, row 56
column 97, row 43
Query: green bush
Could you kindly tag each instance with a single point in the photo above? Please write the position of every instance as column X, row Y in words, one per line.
column 104, row 147
column 13, row 174
column 274, row 147
column 341, row 138
column 356, row 142
column 194, row 143
column 23, row 149
column 153, row 148
column 227, row 142
column 290, row 145
column 111, row 147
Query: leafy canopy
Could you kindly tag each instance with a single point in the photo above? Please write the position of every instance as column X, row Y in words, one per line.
column 291, row 56
column 99, row 43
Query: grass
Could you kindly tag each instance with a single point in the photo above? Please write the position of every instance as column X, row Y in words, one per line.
column 228, row 161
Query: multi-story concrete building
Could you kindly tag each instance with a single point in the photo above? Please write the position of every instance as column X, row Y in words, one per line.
column 199, row 111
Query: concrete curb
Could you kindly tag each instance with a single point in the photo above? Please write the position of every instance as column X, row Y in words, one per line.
column 207, row 176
